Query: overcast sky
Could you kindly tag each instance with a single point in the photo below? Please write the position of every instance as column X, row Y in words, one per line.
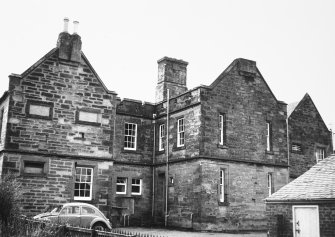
column 293, row 42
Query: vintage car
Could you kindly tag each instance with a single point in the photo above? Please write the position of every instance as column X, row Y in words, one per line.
column 76, row 214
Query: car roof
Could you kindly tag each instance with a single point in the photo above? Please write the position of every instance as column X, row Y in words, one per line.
column 78, row 203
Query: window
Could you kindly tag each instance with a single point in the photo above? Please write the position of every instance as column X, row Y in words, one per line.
column 320, row 154
column 88, row 117
column 39, row 109
column 33, row 167
column 222, row 189
column 87, row 210
column 136, row 186
column 130, row 132
column 83, row 183
column 296, row 148
column 270, row 183
column 268, row 136
column 161, row 137
column 222, row 127
column 121, row 185
column 180, row 133
column 70, row 210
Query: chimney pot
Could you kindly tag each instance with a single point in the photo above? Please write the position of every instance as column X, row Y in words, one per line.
column 66, row 25
column 75, row 27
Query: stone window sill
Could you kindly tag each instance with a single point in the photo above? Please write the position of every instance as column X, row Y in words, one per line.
column 130, row 151
column 269, row 152
column 222, row 146
column 175, row 148
column 33, row 175
column 160, row 152
column 223, row 203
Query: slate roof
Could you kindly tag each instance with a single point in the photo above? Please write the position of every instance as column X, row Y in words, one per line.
column 318, row 183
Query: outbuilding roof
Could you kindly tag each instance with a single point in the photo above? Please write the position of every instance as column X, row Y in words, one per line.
column 318, row 183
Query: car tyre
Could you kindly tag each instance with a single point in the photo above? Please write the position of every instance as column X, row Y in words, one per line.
column 99, row 226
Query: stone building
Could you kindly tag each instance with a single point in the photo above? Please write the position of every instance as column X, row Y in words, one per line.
column 68, row 138
column 306, row 206
column 310, row 139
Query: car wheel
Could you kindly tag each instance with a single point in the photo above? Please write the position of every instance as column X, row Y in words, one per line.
column 99, row 226
column 68, row 234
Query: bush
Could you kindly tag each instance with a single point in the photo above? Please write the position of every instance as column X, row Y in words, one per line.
column 9, row 196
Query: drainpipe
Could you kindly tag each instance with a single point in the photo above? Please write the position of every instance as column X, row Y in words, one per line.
column 153, row 167
column 167, row 155
column 288, row 148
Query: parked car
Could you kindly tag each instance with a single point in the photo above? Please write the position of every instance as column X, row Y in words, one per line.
column 76, row 214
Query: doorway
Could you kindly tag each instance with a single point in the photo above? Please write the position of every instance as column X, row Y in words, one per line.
column 306, row 221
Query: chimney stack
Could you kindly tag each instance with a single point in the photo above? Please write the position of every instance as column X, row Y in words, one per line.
column 66, row 25
column 69, row 45
column 75, row 27
column 171, row 75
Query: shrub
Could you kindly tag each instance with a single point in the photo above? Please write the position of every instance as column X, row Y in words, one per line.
column 9, row 196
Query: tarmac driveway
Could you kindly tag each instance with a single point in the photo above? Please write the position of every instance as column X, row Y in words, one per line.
column 177, row 233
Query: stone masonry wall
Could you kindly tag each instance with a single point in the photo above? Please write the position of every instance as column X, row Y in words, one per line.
column 69, row 87
column 307, row 129
column 248, row 104
column 4, row 107
column 144, row 140
column 184, row 194
column 185, row 106
column 284, row 227
column 244, row 207
column 56, row 185
column 136, row 207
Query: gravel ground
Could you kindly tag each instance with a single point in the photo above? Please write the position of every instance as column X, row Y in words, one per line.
column 177, row 233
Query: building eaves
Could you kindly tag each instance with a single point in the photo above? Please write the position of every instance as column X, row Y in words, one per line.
column 318, row 183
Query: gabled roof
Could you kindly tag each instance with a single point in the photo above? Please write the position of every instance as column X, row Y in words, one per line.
column 55, row 50
column 295, row 106
column 318, row 183
column 291, row 107
column 230, row 67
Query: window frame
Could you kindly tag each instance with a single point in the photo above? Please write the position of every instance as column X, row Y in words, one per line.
column 223, row 186
column 270, row 183
column 83, row 198
column 269, row 146
column 50, row 105
column 1, row 121
column 131, row 136
column 121, row 184
column 317, row 154
column 32, row 159
column 92, row 111
column 161, row 136
column 299, row 147
column 181, row 133
column 222, row 129
column 137, row 185
column 39, row 163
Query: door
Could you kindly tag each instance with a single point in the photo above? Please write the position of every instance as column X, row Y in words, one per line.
column 160, row 198
column 306, row 221
column 87, row 216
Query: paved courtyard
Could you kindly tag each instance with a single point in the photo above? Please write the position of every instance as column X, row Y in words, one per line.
column 177, row 233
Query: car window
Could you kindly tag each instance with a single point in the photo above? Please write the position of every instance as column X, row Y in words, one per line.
column 87, row 210
column 70, row 210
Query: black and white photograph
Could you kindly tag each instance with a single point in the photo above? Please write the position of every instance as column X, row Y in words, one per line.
column 152, row 118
